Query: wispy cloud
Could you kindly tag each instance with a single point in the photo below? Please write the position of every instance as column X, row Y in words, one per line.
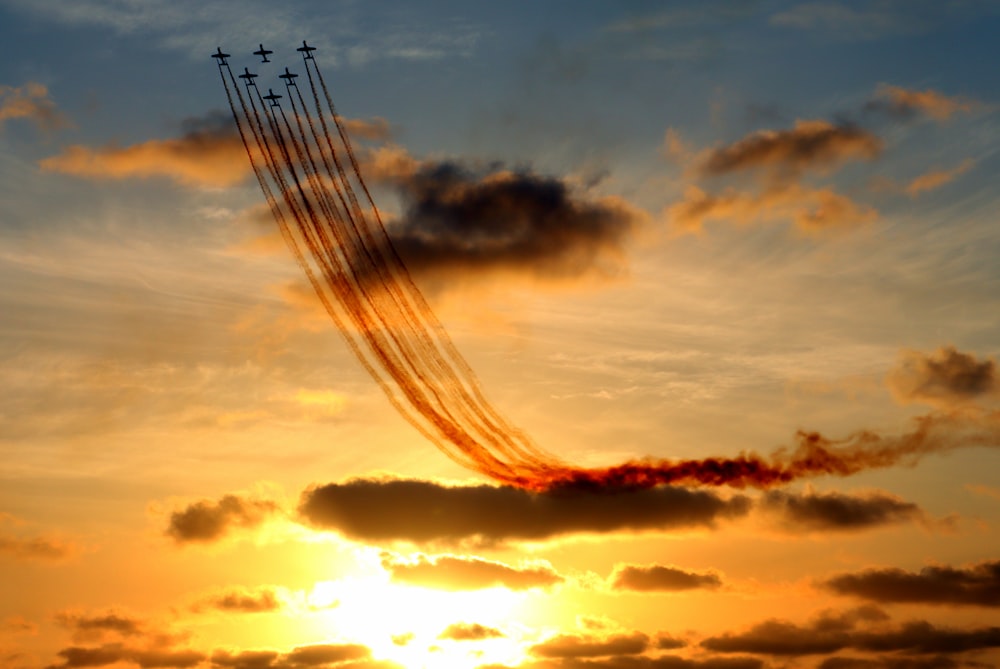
column 32, row 102
column 903, row 104
column 195, row 29
column 451, row 572
column 262, row 599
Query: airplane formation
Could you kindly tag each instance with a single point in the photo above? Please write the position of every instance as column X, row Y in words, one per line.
column 248, row 76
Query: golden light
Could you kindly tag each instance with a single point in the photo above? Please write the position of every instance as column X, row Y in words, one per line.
column 404, row 623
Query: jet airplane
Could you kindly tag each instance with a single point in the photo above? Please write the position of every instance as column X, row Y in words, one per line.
column 249, row 76
column 305, row 49
column 273, row 97
column 289, row 77
column 262, row 52
column 221, row 56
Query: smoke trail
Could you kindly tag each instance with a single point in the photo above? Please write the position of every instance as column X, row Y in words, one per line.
column 310, row 177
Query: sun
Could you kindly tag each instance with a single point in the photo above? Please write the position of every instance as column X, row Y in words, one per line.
column 405, row 624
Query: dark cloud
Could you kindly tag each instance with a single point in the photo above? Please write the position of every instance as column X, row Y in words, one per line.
column 462, row 220
column 242, row 601
column 111, row 653
column 978, row 585
column 946, row 377
column 645, row 662
column 422, row 511
column 938, row 662
column 660, row 578
column 904, row 104
column 470, row 632
column 302, row 657
column 448, row 572
column 666, row 642
column 31, row 101
column 862, row 629
column 809, row 145
column 209, row 521
column 836, row 511
column 575, row 646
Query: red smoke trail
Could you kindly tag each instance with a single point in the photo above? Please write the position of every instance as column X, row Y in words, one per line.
column 364, row 286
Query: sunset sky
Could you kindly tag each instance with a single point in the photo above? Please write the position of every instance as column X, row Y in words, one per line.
column 656, row 231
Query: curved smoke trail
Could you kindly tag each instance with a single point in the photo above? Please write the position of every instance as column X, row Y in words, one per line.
column 310, row 177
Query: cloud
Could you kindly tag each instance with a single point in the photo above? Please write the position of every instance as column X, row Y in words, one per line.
column 375, row 130
column 37, row 549
column 977, row 585
column 786, row 154
column 658, row 578
column 935, row 179
column 111, row 653
column 936, row 662
column 904, row 104
column 809, row 209
column 470, row 632
column 422, row 511
column 206, row 521
column 839, row 19
column 828, row 633
column 665, row 641
column 462, row 220
column 209, row 153
column 448, row 572
column 944, row 378
column 647, row 662
column 242, row 600
column 836, row 511
column 576, row 646
column 31, row 101
column 86, row 627
column 863, row 629
column 780, row 158
column 302, row 657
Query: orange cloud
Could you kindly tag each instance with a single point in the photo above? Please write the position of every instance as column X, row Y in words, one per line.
column 210, row 153
column 375, row 130
column 809, row 209
column 470, row 632
column 33, row 549
column 937, row 178
column 809, row 145
column 903, row 103
column 32, row 102
column 242, row 600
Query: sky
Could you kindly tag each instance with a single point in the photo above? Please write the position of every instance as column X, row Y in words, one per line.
column 663, row 237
